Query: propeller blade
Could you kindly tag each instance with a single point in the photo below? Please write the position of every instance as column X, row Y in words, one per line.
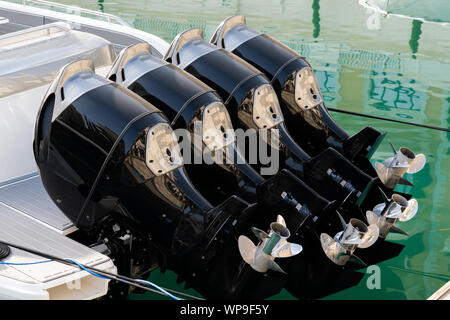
column 261, row 235
column 401, row 201
column 333, row 250
column 247, row 249
column 357, row 260
column 417, row 164
column 405, row 182
column 393, row 148
column 281, row 221
column 275, row 266
column 352, row 232
column 384, row 196
column 287, row 250
column 389, row 162
column 350, row 238
column 344, row 225
column 400, row 165
column 395, row 229
column 410, row 211
column 382, row 172
column 371, row 236
column 372, row 217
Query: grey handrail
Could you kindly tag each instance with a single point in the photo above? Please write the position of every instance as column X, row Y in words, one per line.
column 109, row 17
column 33, row 33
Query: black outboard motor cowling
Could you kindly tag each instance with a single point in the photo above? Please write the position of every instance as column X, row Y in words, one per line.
column 297, row 88
column 253, row 104
column 196, row 109
column 187, row 101
column 104, row 151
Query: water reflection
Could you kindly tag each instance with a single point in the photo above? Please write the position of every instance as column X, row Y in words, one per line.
column 387, row 93
column 329, row 85
column 415, row 36
column 316, row 18
column 100, row 5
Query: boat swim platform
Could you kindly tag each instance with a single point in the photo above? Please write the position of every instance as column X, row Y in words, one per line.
column 442, row 294
column 29, row 276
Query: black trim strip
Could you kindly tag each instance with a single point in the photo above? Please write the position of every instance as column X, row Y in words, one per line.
column 81, row 136
column 240, row 84
column 281, row 68
column 187, row 103
column 102, row 169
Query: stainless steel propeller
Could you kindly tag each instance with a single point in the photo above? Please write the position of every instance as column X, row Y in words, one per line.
column 355, row 234
column 391, row 171
column 272, row 245
column 386, row 214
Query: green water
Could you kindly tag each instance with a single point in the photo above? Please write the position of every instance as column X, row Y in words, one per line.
column 400, row 70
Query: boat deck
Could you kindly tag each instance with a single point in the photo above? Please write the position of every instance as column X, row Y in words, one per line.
column 7, row 27
column 28, row 196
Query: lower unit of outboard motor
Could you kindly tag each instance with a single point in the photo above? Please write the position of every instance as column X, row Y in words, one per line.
column 253, row 104
column 105, row 152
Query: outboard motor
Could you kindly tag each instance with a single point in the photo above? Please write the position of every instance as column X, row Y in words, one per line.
column 110, row 159
column 253, row 104
column 301, row 101
column 194, row 107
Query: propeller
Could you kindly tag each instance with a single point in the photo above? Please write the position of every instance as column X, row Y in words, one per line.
column 272, row 245
column 355, row 234
column 386, row 214
column 391, row 171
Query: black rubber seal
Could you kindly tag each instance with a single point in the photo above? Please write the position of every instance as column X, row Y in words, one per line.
column 4, row 251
